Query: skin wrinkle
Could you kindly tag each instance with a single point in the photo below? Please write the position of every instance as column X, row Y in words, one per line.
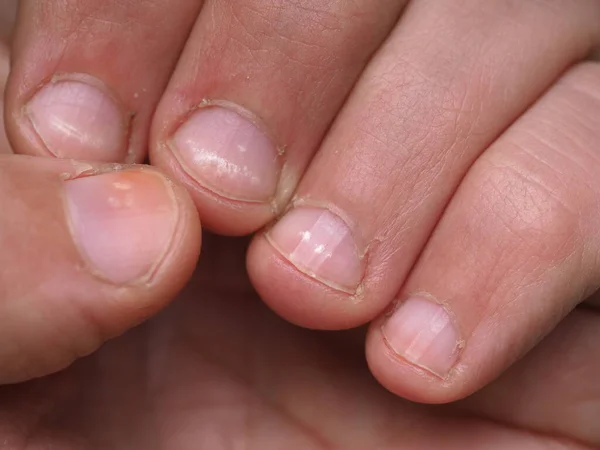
column 390, row 439
column 250, row 379
column 425, row 139
column 469, row 132
column 529, row 184
column 392, row 421
column 565, row 376
column 523, row 150
column 518, row 269
column 495, row 284
column 316, row 21
column 517, row 307
column 281, row 34
column 223, row 364
column 440, row 162
column 308, row 429
column 573, row 141
column 287, row 57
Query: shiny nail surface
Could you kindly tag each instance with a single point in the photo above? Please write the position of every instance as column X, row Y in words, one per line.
column 228, row 154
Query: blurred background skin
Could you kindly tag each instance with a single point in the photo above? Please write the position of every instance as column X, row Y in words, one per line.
column 8, row 10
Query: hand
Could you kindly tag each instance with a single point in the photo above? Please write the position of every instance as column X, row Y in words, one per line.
column 432, row 159
column 217, row 370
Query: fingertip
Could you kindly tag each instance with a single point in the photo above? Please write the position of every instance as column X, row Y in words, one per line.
column 138, row 235
column 174, row 260
column 84, row 82
column 221, row 215
column 406, row 378
column 180, row 263
column 89, row 252
column 298, row 298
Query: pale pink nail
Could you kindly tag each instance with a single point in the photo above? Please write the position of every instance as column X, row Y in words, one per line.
column 77, row 120
column 422, row 332
column 229, row 155
column 123, row 222
column 320, row 245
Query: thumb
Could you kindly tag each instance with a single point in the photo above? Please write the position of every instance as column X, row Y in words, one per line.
column 86, row 252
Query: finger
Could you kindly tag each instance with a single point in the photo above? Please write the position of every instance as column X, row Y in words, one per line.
column 423, row 111
column 515, row 251
column 87, row 252
column 554, row 390
column 299, row 371
column 256, row 88
column 86, row 75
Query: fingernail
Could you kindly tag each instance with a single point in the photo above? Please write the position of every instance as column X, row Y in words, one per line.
column 75, row 119
column 122, row 222
column 227, row 154
column 422, row 332
column 319, row 244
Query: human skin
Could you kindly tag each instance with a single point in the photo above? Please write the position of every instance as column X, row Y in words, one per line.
column 511, row 256
column 218, row 370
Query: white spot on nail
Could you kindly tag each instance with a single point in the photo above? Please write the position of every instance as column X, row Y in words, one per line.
column 320, row 249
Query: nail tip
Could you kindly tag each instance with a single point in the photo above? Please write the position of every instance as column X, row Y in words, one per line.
column 410, row 360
